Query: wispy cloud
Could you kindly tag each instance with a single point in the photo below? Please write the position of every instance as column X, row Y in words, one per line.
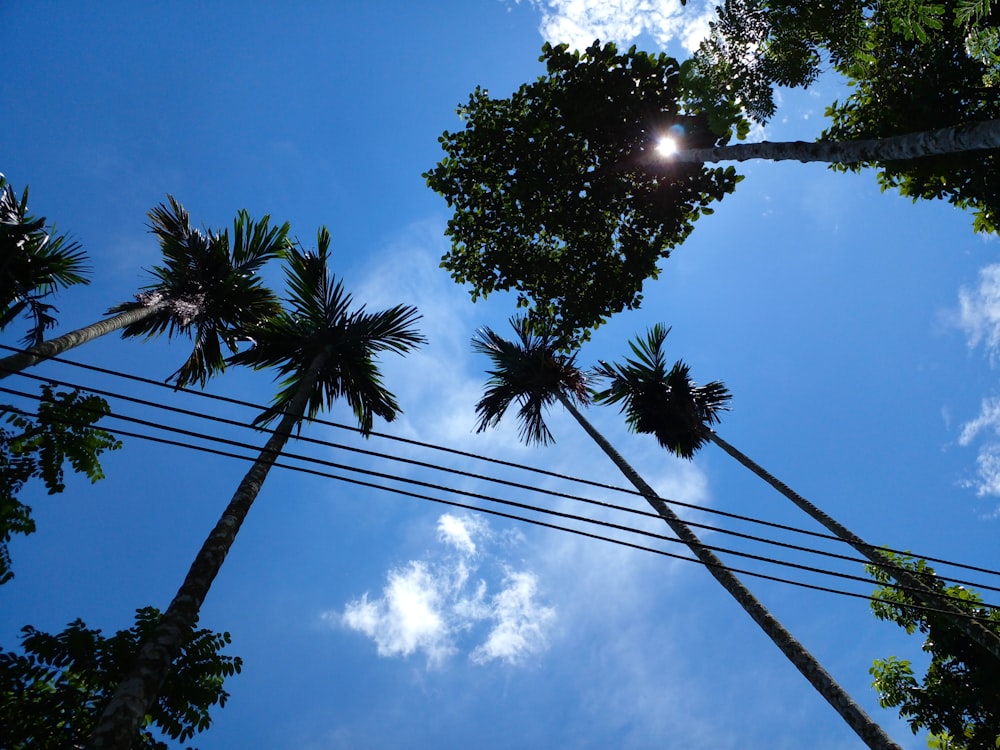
column 988, row 419
column 579, row 22
column 978, row 314
column 458, row 532
column 432, row 606
column 519, row 621
column 987, row 481
column 978, row 317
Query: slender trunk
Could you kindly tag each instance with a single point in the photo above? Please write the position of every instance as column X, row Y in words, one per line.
column 865, row 727
column 986, row 638
column 972, row 137
column 121, row 720
column 54, row 347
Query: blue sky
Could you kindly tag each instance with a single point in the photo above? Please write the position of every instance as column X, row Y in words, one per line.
column 858, row 332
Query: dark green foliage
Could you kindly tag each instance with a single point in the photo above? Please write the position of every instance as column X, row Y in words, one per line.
column 34, row 264
column 910, row 83
column 318, row 318
column 665, row 403
column 38, row 447
column 208, row 285
column 914, row 66
column 549, row 192
column 756, row 45
column 957, row 700
column 52, row 693
column 531, row 371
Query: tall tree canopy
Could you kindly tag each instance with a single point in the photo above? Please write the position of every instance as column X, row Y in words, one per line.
column 208, row 289
column 913, row 66
column 533, row 372
column 37, row 446
column 957, row 699
column 34, row 264
column 50, row 694
column 549, row 195
column 323, row 351
column 680, row 413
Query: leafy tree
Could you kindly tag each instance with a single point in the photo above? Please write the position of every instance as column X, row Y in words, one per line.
column 33, row 265
column 957, row 699
column 679, row 413
column 562, row 194
column 906, row 83
column 914, row 66
column 324, row 351
column 208, row 288
column 548, row 199
column 534, row 373
column 38, row 447
column 52, row 693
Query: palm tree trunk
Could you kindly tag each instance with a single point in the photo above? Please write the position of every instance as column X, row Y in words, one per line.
column 871, row 733
column 973, row 137
column 121, row 720
column 54, row 347
column 986, row 638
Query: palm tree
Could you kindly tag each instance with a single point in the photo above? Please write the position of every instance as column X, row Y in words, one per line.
column 669, row 405
column 972, row 137
column 33, row 265
column 533, row 373
column 324, row 351
column 208, row 288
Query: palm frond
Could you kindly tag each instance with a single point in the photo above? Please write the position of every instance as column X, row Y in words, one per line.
column 34, row 264
column 208, row 286
column 531, row 372
column 318, row 321
column 665, row 403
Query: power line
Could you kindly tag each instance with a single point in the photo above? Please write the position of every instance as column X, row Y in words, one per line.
column 554, row 493
column 479, row 496
column 544, row 524
column 432, row 446
column 523, row 467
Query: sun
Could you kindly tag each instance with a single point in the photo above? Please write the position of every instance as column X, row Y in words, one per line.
column 666, row 146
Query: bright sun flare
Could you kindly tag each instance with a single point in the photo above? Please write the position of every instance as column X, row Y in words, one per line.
column 666, row 146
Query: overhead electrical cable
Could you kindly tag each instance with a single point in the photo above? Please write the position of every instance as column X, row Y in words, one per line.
column 465, row 493
column 748, row 519
column 523, row 467
column 749, row 537
column 518, row 485
column 544, row 524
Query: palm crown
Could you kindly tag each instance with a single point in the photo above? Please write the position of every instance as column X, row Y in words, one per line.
column 531, row 371
column 666, row 403
column 208, row 286
column 318, row 322
column 33, row 265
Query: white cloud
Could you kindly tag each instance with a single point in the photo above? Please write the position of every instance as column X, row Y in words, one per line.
column 987, row 481
column 429, row 606
column 458, row 532
column 580, row 22
column 989, row 418
column 988, row 471
column 487, row 610
column 978, row 316
column 409, row 616
column 520, row 622
column 979, row 311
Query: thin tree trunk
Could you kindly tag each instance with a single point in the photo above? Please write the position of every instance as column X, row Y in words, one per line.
column 986, row 638
column 973, row 137
column 871, row 733
column 121, row 720
column 54, row 347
